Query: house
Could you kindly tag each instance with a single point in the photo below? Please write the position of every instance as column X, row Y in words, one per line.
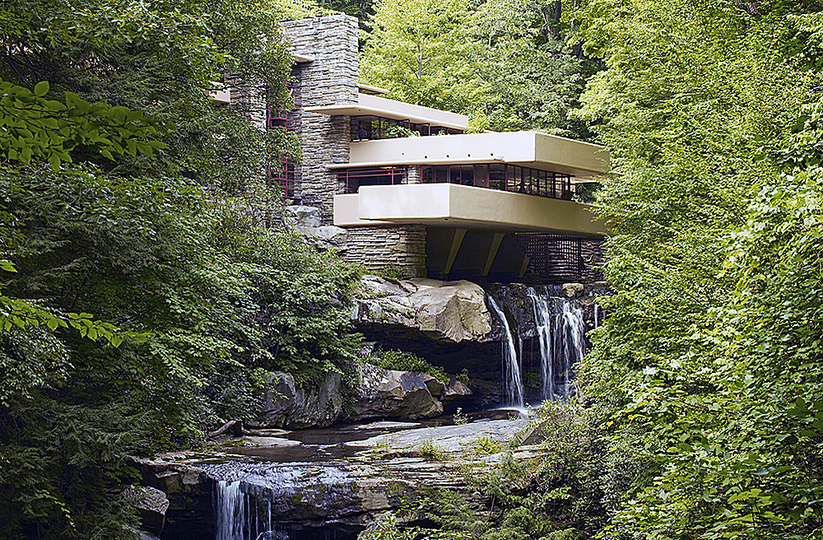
column 417, row 194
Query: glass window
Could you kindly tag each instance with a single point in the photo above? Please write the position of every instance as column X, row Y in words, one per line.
column 497, row 176
column 481, row 176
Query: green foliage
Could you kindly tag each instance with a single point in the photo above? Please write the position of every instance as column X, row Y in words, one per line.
column 49, row 130
column 161, row 59
column 711, row 337
column 485, row 446
column 505, row 63
column 196, row 294
column 414, row 50
column 405, row 361
column 386, row 528
column 430, row 451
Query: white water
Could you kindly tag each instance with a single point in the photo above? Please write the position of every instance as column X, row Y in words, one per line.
column 511, row 364
column 560, row 331
column 244, row 494
column 231, row 511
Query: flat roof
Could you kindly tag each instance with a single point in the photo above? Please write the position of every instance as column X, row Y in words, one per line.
column 397, row 110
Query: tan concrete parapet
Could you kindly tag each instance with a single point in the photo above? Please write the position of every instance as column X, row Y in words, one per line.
column 526, row 148
column 453, row 205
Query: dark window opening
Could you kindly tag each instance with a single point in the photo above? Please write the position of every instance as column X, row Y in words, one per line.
column 352, row 179
column 284, row 174
column 502, row 177
column 367, row 128
column 284, row 171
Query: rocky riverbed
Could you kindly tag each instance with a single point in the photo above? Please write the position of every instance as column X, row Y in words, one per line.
column 313, row 482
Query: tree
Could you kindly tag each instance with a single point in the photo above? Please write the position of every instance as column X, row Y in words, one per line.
column 419, row 50
column 175, row 242
column 504, row 63
column 531, row 73
column 709, row 340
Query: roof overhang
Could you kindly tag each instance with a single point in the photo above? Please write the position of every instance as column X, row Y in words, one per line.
column 397, row 110
column 367, row 88
column 452, row 205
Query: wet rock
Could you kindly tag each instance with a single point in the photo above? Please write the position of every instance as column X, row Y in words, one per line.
column 455, row 390
column 385, row 393
column 188, row 490
column 151, row 504
column 449, row 438
column 442, row 311
column 573, row 290
column 290, row 406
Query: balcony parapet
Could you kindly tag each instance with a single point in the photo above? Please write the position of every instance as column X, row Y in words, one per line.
column 531, row 149
column 368, row 105
column 452, row 205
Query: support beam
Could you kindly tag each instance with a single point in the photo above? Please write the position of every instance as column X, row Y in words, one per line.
column 524, row 267
column 457, row 241
column 498, row 237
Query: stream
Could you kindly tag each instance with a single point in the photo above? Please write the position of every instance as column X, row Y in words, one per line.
column 330, row 483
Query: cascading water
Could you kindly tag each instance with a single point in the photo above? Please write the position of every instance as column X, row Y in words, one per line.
column 560, row 331
column 246, row 493
column 511, row 364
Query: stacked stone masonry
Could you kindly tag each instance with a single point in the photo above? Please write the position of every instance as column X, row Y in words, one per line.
column 395, row 251
column 330, row 78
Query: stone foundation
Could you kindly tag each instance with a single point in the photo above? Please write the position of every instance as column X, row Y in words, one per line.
column 395, row 251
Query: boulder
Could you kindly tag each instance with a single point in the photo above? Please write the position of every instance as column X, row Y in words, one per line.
column 287, row 405
column 443, row 311
column 573, row 290
column 307, row 220
column 151, row 504
column 188, row 491
column 455, row 390
column 302, row 217
column 385, row 393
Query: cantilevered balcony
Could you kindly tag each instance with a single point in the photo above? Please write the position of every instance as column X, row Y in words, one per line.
column 530, row 149
column 379, row 107
column 452, row 205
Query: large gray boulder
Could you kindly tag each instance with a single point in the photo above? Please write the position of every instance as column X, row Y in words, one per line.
column 444, row 311
column 151, row 504
column 287, row 405
column 307, row 221
column 385, row 393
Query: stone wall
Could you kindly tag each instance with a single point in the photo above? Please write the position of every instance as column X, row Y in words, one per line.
column 248, row 100
column 413, row 174
column 398, row 250
column 330, row 78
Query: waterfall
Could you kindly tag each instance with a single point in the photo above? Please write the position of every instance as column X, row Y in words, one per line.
column 245, row 494
column 230, row 510
column 560, row 331
column 511, row 364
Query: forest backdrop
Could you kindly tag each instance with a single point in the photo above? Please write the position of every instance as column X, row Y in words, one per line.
column 144, row 265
